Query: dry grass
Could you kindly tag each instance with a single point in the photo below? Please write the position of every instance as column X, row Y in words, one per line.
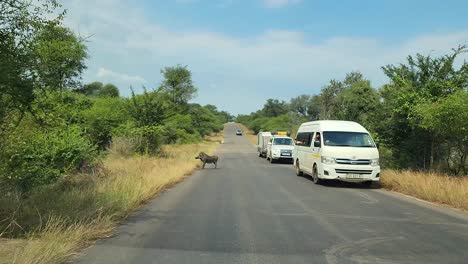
column 57, row 241
column 248, row 133
column 92, row 208
column 433, row 187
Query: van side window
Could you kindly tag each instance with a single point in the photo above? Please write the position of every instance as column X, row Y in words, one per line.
column 317, row 137
column 304, row 139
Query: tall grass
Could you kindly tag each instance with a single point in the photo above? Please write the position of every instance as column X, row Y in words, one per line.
column 55, row 221
column 429, row 186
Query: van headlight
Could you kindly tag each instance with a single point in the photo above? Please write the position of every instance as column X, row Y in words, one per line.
column 375, row 162
column 328, row 160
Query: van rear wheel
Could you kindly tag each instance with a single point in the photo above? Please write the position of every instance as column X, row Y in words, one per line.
column 298, row 169
column 315, row 177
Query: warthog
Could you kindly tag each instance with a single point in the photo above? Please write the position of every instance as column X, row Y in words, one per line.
column 205, row 158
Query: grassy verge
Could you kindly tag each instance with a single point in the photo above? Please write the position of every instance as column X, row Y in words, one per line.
column 54, row 222
column 248, row 133
column 433, row 187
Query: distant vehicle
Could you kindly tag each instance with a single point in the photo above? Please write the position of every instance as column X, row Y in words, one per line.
column 262, row 143
column 280, row 148
column 336, row 150
column 239, row 132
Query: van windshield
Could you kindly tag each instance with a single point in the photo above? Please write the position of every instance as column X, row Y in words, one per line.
column 348, row 139
column 283, row 141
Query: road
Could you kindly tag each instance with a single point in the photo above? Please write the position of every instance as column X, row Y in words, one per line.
column 250, row 211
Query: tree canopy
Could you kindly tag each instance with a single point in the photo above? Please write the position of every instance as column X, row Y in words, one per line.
column 178, row 84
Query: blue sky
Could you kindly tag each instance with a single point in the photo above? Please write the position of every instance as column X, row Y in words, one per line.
column 243, row 52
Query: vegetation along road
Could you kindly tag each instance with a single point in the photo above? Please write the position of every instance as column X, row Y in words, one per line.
column 250, row 211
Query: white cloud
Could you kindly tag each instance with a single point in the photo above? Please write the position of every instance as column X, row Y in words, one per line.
column 110, row 75
column 275, row 63
column 279, row 3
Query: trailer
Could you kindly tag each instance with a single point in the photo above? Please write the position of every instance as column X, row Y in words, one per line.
column 262, row 143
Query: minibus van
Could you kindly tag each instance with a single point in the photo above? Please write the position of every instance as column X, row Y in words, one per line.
column 336, row 150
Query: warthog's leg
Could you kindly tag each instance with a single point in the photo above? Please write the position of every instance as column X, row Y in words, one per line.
column 216, row 164
column 203, row 165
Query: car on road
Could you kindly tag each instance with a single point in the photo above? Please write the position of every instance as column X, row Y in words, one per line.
column 239, row 132
column 280, row 148
column 336, row 150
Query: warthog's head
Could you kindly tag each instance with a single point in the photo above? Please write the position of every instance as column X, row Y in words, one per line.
column 200, row 155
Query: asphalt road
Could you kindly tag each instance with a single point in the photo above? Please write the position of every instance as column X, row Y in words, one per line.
column 250, row 211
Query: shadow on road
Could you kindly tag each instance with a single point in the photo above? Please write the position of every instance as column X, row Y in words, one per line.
column 341, row 184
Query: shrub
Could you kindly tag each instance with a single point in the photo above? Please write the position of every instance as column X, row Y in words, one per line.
column 59, row 108
column 203, row 120
column 179, row 129
column 145, row 139
column 124, row 146
column 31, row 158
column 106, row 114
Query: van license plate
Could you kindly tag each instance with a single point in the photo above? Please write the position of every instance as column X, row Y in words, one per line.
column 354, row 176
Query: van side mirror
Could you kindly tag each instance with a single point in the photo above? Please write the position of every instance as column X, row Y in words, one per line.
column 317, row 144
column 377, row 145
column 269, row 143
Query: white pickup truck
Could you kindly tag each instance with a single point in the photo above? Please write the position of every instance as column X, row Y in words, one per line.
column 280, row 148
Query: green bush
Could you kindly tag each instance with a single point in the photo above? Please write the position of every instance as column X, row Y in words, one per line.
column 32, row 158
column 144, row 139
column 204, row 121
column 105, row 114
column 179, row 129
column 59, row 108
column 258, row 124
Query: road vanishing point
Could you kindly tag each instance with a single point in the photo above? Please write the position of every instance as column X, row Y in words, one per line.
column 250, row 211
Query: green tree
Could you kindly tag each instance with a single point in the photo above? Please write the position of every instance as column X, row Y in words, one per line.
column 300, row 105
column 447, row 118
column 105, row 115
column 109, row 90
column 313, row 110
column 357, row 102
column 60, row 57
column 353, row 78
column 178, row 85
column 203, row 120
column 423, row 80
column 90, row 89
column 274, row 107
column 150, row 108
column 20, row 23
column 328, row 97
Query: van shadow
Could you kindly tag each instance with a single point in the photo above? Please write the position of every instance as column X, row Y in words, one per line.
column 342, row 184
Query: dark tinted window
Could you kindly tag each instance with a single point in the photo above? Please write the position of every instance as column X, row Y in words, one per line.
column 347, row 139
column 304, row 139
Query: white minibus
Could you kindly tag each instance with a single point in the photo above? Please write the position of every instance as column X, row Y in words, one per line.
column 336, row 150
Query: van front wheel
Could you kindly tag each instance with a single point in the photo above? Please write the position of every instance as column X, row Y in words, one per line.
column 315, row 177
